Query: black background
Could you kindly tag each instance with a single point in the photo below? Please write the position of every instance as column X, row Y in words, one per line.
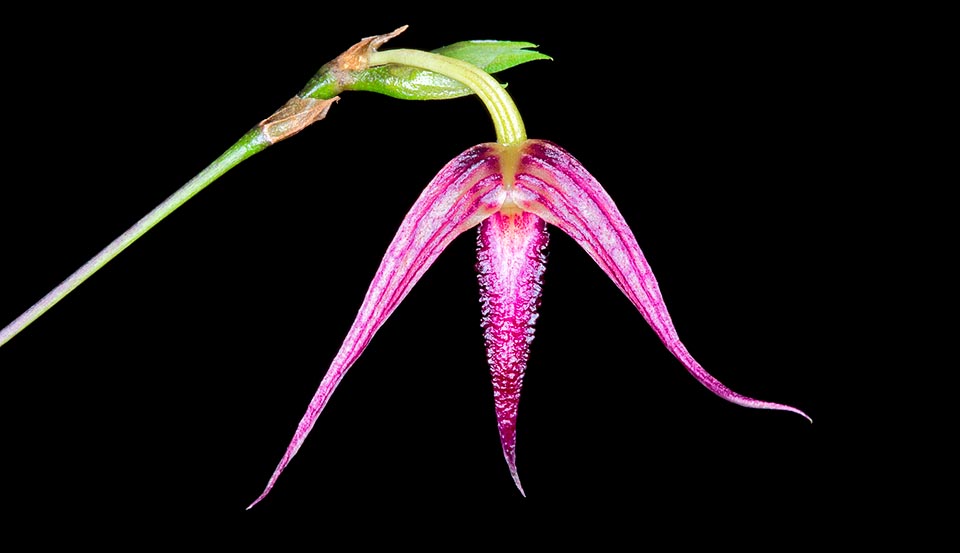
column 172, row 380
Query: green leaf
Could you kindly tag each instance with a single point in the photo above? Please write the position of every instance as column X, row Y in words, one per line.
column 492, row 55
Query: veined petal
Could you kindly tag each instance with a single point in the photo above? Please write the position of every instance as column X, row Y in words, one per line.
column 552, row 184
column 510, row 265
column 464, row 193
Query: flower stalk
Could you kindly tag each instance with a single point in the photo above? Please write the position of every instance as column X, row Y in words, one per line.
column 506, row 117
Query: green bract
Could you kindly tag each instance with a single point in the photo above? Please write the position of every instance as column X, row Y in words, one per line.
column 409, row 83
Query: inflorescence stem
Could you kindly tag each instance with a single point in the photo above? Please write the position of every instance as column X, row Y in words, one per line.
column 251, row 143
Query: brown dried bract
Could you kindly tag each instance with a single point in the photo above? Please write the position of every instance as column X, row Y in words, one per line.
column 297, row 114
column 355, row 57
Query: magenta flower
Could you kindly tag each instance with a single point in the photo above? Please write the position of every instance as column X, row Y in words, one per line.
column 511, row 190
column 512, row 193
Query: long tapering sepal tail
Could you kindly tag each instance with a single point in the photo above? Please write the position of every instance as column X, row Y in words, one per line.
column 555, row 186
column 464, row 193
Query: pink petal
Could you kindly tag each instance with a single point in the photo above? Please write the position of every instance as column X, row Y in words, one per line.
column 465, row 192
column 510, row 263
column 552, row 184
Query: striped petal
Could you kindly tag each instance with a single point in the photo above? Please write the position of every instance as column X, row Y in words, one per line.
column 553, row 185
column 465, row 192
column 510, row 265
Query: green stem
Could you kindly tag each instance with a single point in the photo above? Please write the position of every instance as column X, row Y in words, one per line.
column 506, row 118
column 290, row 119
column 248, row 145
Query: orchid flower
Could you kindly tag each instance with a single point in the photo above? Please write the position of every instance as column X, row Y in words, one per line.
column 512, row 191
